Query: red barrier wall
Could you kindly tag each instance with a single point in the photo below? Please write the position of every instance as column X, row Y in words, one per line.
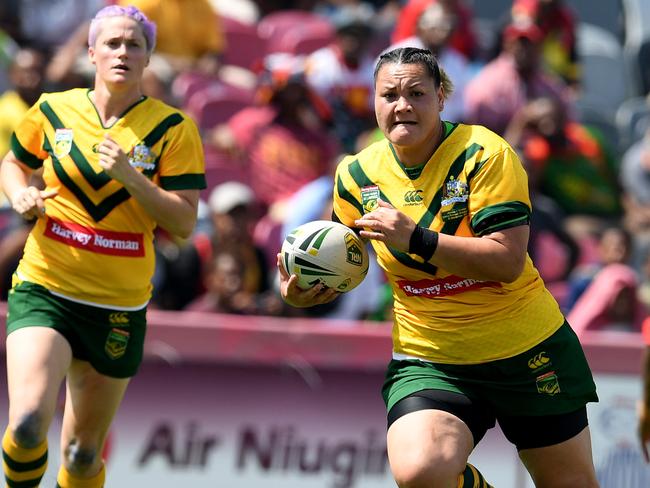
column 202, row 337
column 243, row 401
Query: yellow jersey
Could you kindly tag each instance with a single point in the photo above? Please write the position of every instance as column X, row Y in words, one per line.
column 474, row 184
column 95, row 243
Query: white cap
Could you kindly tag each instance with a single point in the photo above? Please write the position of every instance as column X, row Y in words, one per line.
column 226, row 196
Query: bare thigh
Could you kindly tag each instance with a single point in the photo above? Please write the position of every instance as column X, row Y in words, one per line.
column 428, row 448
column 568, row 464
column 92, row 399
column 37, row 361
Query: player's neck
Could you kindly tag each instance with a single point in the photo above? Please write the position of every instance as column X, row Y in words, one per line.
column 111, row 104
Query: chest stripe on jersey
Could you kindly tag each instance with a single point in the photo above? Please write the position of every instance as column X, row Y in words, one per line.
column 347, row 196
column 156, row 134
column 455, row 169
column 96, row 180
column 97, row 212
column 450, row 227
column 361, row 179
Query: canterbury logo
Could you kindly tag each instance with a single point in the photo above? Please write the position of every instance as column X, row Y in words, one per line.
column 119, row 318
column 538, row 361
column 413, row 196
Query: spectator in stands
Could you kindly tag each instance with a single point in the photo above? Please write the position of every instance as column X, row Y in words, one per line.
column 643, row 264
column 434, row 29
column 189, row 38
column 476, row 334
column 342, row 74
column 26, row 77
column 510, row 81
column 46, row 24
column 177, row 276
column 225, row 289
column 226, row 292
column 10, row 18
column 635, row 182
column 116, row 165
column 610, row 302
column 574, row 165
column 614, row 247
column 234, row 212
column 229, row 249
column 189, row 33
column 284, row 139
column 557, row 24
column 224, row 282
column 8, row 50
column 463, row 37
column 553, row 250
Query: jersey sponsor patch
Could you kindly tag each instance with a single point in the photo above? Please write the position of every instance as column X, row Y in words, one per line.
column 62, row 142
column 450, row 285
column 125, row 244
column 369, row 197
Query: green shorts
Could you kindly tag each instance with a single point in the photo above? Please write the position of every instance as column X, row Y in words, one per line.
column 112, row 341
column 551, row 378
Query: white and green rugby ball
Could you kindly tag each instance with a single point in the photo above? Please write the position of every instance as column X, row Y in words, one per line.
column 325, row 252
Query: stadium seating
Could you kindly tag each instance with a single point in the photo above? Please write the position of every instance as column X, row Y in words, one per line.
column 592, row 39
column 636, row 21
column 221, row 167
column 217, row 103
column 603, row 122
column 637, row 57
column 278, row 29
column 632, row 119
column 267, row 235
column 486, row 36
column 188, row 83
column 605, row 81
column 306, row 40
column 245, row 48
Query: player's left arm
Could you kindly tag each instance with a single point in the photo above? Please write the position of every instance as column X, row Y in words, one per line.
column 175, row 211
column 499, row 217
column 499, row 256
column 494, row 256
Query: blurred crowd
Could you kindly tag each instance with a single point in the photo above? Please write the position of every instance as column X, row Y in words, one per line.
column 281, row 90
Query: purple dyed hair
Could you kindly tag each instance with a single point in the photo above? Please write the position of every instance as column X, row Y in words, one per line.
column 148, row 27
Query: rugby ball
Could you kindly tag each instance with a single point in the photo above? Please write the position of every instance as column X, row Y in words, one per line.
column 325, row 252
